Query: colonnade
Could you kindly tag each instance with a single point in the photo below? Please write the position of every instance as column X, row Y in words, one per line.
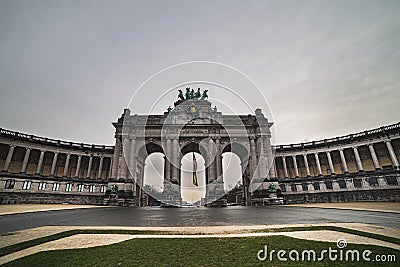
column 343, row 162
column 90, row 172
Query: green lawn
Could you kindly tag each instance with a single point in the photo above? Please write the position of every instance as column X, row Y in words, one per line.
column 195, row 252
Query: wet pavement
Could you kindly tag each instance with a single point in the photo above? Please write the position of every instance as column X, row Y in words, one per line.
column 156, row 216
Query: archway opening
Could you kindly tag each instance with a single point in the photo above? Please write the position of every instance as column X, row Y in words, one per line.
column 232, row 171
column 191, row 193
column 153, row 177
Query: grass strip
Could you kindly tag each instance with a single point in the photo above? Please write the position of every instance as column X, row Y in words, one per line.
column 34, row 242
column 231, row 251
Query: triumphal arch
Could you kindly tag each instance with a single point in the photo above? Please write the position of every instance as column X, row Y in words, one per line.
column 191, row 125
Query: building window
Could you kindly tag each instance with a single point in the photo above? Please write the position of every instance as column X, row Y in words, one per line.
column 372, row 181
column 293, row 188
column 27, row 185
column 316, row 186
column 42, row 186
column 283, row 187
column 103, row 188
column 9, row 184
column 304, row 186
column 392, row 180
column 328, row 185
column 68, row 187
column 80, row 187
column 342, row 184
column 56, row 186
column 91, row 188
column 357, row 182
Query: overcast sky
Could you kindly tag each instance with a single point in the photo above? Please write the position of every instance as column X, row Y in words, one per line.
column 327, row 68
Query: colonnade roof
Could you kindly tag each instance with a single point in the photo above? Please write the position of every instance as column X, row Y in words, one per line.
column 52, row 142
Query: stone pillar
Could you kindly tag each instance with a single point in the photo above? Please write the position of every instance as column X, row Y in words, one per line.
column 54, row 164
column 133, row 159
column 40, row 163
column 175, row 147
column 358, row 159
column 393, row 156
column 262, row 162
column 100, row 167
column 115, row 161
column 66, row 167
column 25, row 162
column 78, row 166
column 306, row 165
column 296, row 169
column 331, row 168
column 211, row 162
column 253, row 162
column 285, row 167
column 318, row 164
column 9, row 158
column 343, row 159
column 167, row 168
column 89, row 169
column 270, row 159
column 218, row 159
column 374, row 157
column 123, row 164
column 110, row 168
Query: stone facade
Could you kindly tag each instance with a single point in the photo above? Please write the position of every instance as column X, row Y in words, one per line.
column 191, row 126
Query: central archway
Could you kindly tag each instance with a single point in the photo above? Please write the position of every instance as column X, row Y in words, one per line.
column 190, row 192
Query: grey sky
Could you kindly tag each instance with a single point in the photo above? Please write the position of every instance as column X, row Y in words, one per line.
column 327, row 68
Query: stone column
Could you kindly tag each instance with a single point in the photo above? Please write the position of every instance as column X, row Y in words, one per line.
column 54, row 164
column 358, row 159
column 123, row 164
column 296, row 169
column 175, row 147
column 219, row 159
column 374, row 157
column 331, row 168
column 100, row 167
column 318, row 164
column 167, row 169
column 110, row 168
column 66, row 167
column 211, row 161
column 393, row 156
column 40, row 163
column 262, row 162
column 115, row 161
column 25, row 162
column 132, row 158
column 78, row 166
column 343, row 159
column 89, row 169
column 9, row 158
column 253, row 161
column 285, row 167
column 306, row 165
